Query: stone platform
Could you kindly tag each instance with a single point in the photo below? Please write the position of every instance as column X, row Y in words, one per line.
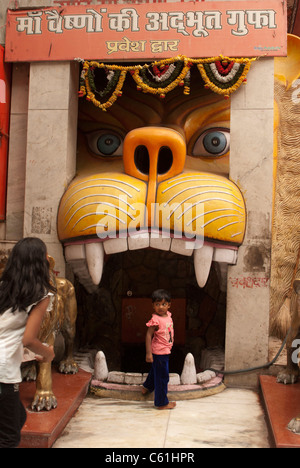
column 43, row 428
column 175, row 392
column 282, row 403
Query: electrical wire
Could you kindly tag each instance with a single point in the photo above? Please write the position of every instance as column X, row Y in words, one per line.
column 251, row 369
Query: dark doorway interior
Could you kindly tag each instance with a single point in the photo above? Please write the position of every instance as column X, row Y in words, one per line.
column 129, row 278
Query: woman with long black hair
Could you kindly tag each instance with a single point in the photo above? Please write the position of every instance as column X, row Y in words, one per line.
column 25, row 295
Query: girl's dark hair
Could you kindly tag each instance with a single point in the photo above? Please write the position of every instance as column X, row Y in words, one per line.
column 160, row 295
column 26, row 277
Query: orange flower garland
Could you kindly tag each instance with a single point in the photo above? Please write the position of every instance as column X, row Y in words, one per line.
column 223, row 75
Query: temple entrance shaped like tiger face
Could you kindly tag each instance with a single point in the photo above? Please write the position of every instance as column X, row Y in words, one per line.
column 153, row 173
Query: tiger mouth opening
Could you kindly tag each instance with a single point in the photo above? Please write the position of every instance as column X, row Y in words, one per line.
column 88, row 260
column 193, row 214
column 87, row 257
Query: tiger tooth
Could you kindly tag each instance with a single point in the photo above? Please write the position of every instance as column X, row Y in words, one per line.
column 225, row 256
column 139, row 241
column 75, row 253
column 182, row 247
column 188, row 375
column 112, row 246
column 75, row 256
column 100, row 368
column 95, row 260
column 158, row 241
column 202, row 263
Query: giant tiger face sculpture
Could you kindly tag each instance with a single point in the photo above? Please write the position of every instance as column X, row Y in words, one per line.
column 153, row 173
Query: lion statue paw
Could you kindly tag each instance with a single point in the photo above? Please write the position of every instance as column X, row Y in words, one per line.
column 44, row 400
column 288, row 376
column 68, row 366
column 294, row 425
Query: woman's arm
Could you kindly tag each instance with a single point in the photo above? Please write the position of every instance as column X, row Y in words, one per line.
column 149, row 336
column 30, row 337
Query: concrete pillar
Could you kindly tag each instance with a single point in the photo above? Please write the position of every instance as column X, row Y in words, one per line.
column 251, row 168
column 51, row 149
column 17, row 152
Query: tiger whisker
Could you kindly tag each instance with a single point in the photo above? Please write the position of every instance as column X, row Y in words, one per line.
column 102, row 195
column 96, row 214
column 226, row 225
column 101, row 204
column 200, row 178
column 107, row 179
column 93, row 226
column 97, row 186
column 201, row 201
column 219, row 217
column 200, row 193
column 196, row 180
column 236, row 234
column 211, row 211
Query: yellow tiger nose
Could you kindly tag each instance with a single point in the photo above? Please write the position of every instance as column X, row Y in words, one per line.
column 154, row 154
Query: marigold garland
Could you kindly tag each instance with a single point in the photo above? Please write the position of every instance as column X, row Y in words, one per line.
column 162, row 88
column 229, row 84
column 223, row 75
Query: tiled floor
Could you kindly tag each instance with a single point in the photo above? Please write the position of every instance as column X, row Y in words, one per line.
column 233, row 418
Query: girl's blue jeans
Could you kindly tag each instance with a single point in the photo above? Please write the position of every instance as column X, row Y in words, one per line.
column 158, row 379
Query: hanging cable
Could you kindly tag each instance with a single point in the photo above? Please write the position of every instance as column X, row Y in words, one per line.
column 251, row 369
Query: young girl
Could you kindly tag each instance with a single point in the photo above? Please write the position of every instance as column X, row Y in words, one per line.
column 159, row 342
column 25, row 292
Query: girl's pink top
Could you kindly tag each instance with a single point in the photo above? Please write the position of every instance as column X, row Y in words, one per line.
column 163, row 338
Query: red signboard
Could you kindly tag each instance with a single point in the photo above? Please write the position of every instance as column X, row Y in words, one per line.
column 4, row 129
column 112, row 32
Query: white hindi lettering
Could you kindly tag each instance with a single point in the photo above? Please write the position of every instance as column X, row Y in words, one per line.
column 196, row 23
column 204, row 21
column 200, row 21
column 55, row 21
column 177, row 22
column 257, row 18
column 91, row 21
column 30, row 24
column 126, row 19
column 261, row 18
column 237, row 17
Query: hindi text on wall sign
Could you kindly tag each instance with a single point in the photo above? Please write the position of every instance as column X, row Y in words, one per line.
column 147, row 31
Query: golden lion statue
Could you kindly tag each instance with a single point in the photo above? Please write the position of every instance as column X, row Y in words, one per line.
column 285, row 310
column 291, row 373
